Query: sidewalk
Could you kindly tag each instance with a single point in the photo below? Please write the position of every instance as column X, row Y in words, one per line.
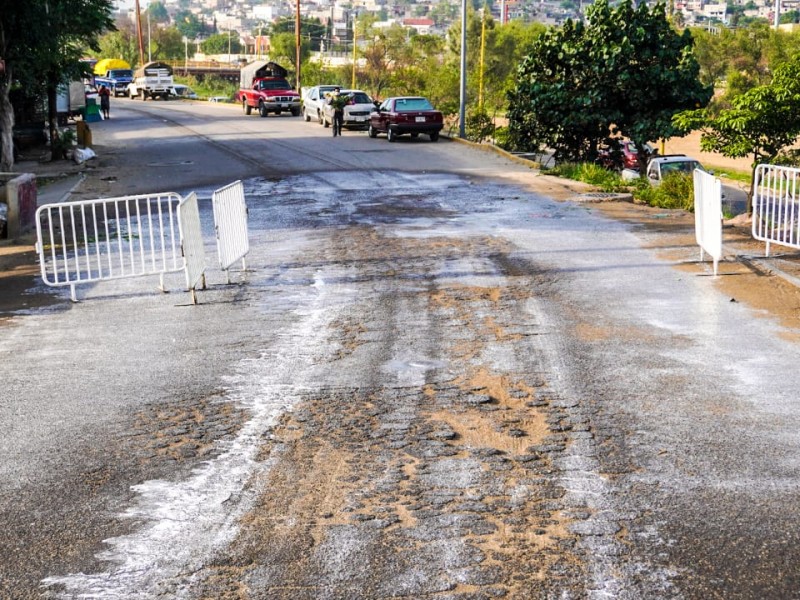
column 55, row 182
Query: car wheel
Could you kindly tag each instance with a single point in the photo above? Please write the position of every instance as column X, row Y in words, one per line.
column 295, row 112
column 434, row 136
column 319, row 118
column 262, row 110
column 391, row 135
column 246, row 107
column 372, row 132
column 325, row 123
column 144, row 95
column 414, row 136
column 306, row 116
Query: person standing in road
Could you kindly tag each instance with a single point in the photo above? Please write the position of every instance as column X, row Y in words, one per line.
column 105, row 100
column 337, row 102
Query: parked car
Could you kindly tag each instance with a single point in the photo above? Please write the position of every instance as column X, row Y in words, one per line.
column 183, row 91
column 626, row 156
column 660, row 166
column 356, row 113
column 314, row 101
column 406, row 114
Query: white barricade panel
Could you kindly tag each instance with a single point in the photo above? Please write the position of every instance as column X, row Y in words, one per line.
column 108, row 238
column 708, row 215
column 192, row 241
column 776, row 213
column 230, row 223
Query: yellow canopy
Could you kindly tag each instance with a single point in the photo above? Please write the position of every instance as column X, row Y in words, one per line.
column 105, row 65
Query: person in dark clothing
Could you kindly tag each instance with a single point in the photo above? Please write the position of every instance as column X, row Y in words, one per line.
column 337, row 102
column 105, row 100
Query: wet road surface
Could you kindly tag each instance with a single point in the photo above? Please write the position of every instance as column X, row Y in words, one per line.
column 436, row 385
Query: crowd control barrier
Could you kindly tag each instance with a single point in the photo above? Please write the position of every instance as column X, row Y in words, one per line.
column 192, row 243
column 708, row 215
column 230, row 223
column 109, row 238
column 776, row 214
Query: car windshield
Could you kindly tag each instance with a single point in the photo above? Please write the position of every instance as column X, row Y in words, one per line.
column 120, row 73
column 359, row 98
column 683, row 166
column 274, row 85
column 411, row 104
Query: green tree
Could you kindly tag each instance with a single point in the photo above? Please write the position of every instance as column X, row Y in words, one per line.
column 167, row 44
column 625, row 71
column 762, row 123
column 791, row 16
column 189, row 25
column 42, row 42
column 653, row 77
column 222, row 43
column 311, row 29
column 122, row 43
column 158, row 12
column 283, row 50
column 387, row 54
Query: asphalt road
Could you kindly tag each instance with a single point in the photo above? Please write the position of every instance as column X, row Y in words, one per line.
column 431, row 382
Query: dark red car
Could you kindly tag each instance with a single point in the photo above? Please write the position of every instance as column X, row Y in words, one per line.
column 627, row 156
column 407, row 114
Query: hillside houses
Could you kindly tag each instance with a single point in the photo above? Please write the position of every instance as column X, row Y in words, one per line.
column 243, row 17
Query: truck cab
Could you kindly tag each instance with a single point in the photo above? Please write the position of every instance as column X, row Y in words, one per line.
column 264, row 87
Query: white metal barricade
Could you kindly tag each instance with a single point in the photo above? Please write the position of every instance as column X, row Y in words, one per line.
column 708, row 215
column 192, row 244
column 108, row 238
column 230, row 223
column 776, row 218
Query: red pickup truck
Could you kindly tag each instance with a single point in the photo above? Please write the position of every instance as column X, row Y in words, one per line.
column 264, row 87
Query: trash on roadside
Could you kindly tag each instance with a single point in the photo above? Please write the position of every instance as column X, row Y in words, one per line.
column 81, row 155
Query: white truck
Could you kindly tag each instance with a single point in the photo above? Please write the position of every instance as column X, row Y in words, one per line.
column 70, row 100
column 153, row 80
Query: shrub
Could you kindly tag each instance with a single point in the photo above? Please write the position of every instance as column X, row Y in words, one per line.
column 607, row 181
column 479, row 126
column 210, row 86
column 675, row 191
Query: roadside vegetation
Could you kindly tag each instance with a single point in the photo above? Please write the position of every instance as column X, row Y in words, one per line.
column 209, row 87
column 676, row 191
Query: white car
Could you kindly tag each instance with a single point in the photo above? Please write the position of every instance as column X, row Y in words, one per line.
column 183, row 91
column 356, row 113
column 314, row 100
column 661, row 165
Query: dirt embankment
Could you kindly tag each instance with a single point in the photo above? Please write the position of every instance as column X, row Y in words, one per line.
column 691, row 145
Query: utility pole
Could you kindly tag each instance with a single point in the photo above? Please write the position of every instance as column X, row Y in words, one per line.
column 297, row 45
column 353, row 84
column 139, row 33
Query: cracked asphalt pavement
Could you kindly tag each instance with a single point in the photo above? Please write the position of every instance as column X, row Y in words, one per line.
column 438, row 377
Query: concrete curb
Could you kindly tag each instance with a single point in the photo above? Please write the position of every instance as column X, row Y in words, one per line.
column 499, row 151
